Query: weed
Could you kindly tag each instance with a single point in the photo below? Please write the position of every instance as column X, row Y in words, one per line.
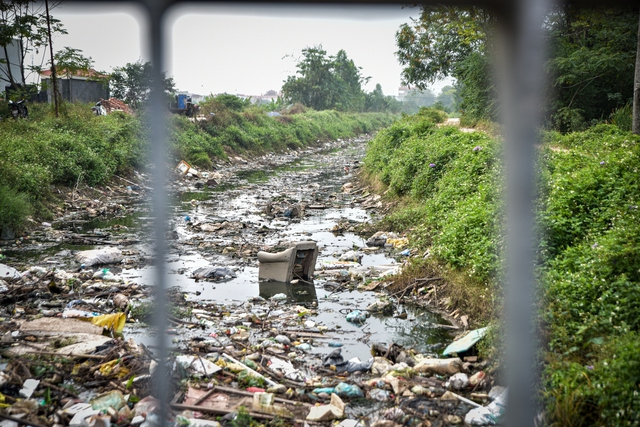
column 243, row 419
column 14, row 208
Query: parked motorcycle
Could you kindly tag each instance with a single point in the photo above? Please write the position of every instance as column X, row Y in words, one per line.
column 18, row 109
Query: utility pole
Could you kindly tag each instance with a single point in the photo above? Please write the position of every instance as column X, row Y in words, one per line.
column 635, row 127
column 54, row 77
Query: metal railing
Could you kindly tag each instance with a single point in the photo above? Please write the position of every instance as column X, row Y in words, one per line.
column 522, row 47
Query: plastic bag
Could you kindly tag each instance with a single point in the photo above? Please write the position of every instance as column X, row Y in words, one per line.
column 355, row 364
column 356, row 316
column 105, row 255
column 380, row 395
column 114, row 399
column 113, row 322
column 348, row 390
column 459, row 381
column 492, row 414
column 217, row 273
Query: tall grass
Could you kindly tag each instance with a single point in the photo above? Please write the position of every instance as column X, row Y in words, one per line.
column 588, row 256
column 44, row 151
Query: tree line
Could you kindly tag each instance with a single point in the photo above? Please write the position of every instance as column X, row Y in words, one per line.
column 590, row 64
column 334, row 82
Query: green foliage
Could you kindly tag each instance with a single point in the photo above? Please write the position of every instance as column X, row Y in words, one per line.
column 591, row 63
column 232, row 102
column 447, row 99
column 26, row 21
column 416, row 99
column 591, row 60
column 133, row 82
column 243, row 419
column 251, row 130
column 450, row 41
column 622, row 117
column 603, row 393
column 14, row 208
column 44, row 151
column 80, row 147
column 377, row 101
column 590, row 270
column 451, row 180
column 247, row 379
column 588, row 256
column 69, row 61
column 433, row 46
column 325, row 83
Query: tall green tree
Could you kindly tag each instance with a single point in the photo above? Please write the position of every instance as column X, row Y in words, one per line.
column 447, row 41
column 25, row 21
column 377, row 101
column 591, row 65
column 447, row 97
column 326, row 82
column 133, row 82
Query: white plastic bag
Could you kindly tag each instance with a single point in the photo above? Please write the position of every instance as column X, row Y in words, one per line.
column 492, row 414
column 107, row 255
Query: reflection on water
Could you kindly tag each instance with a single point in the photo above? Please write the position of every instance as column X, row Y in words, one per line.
column 297, row 293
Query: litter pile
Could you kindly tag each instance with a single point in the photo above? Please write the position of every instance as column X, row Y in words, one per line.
column 68, row 363
column 68, row 320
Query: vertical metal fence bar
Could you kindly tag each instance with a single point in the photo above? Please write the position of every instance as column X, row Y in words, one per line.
column 522, row 97
column 158, row 156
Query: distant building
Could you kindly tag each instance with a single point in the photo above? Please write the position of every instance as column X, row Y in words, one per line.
column 11, row 64
column 195, row 98
column 403, row 92
column 267, row 98
column 82, row 86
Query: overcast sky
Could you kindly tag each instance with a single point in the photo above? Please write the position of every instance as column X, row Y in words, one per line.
column 239, row 49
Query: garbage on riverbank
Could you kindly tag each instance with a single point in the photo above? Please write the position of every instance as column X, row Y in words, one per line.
column 273, row 358
column 253, row 359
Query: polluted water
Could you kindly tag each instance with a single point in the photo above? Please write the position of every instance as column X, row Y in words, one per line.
column 329, row 345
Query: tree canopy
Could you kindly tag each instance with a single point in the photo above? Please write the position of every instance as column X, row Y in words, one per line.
column 590, row 65
column 133, row 82
column 326, row 82
column 25, row 21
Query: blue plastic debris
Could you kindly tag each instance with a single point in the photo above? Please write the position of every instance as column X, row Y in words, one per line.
column 356, row 316
column 348, row 390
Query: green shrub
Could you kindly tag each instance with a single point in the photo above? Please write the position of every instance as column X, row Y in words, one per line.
column 451, row 179
column 622, row 117
column 14, row 208
column 80, row 147
column 590, row 271
column 588, row 261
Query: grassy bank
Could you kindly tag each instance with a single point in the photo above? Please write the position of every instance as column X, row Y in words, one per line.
column 79, row 147
column 447, row 188
column 591, row 276
column 446, row 184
